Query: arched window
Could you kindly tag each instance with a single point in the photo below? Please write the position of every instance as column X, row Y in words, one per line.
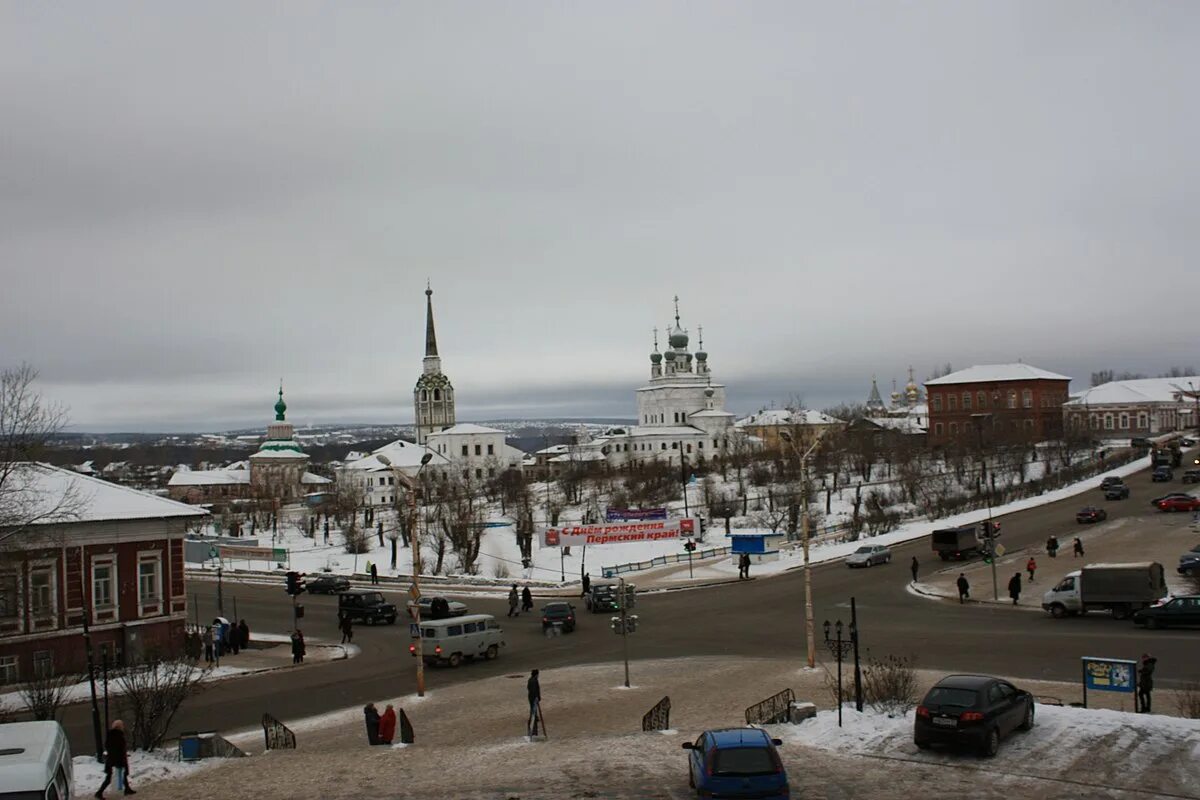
column 966, row 401
column 424, row 395
column 437, row 395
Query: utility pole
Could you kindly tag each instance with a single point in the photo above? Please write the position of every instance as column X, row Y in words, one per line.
column 809, row 627
column 91, row 660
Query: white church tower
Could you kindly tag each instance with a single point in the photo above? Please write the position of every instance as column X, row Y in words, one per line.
column 433, row 396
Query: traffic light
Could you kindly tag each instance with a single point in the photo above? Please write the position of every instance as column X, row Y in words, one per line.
column 630, row 596
column 616, row 625
column 295, row 583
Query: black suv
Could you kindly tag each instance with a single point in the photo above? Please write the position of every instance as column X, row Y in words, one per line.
column 559, row 613
column 1162, row 474
column 1110, row 480
column 327, row 584
column 1116, row 491
column 368, row 607
column 602, row 597
column 1191, row 476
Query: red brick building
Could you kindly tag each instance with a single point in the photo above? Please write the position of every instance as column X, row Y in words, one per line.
column 1012, row 402
column 85, row 546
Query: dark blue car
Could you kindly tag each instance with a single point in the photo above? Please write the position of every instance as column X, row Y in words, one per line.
column 736, row 762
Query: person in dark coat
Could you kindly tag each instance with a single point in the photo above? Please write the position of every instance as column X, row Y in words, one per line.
column 915, row 566
column 244, row 633
column 387, row 725
column 1078, row 547
column 513, row 600
column 439, row 608
column 116, row 756
column 534, row 689
column 235, row 639
column 587, row 584
column 526, row 599
column 1014, row 587
column 1052, row 547
column 1145, row 682
column 347, row 628
column 964, row 588
column 297, row 647
column 208, row 644
column 374, row 573
column 371, row 717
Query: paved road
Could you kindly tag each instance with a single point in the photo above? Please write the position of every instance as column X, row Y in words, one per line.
column 759, row 617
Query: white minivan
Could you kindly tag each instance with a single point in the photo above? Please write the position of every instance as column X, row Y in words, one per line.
column 35, row 761
column 449, row 641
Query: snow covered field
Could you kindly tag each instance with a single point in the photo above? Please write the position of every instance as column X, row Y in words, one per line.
column 470, row 745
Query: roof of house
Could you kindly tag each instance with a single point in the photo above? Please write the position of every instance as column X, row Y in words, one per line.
column 400, row 454
column 996, row 373
column 1140, row 390
column 787, row 416
column 42, row 488
column 209, row 477
column 465, row 428
column 898, row 424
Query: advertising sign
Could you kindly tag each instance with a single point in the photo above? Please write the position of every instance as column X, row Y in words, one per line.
column 253, row 553
column 1108, row 675
column 620, row 532
column 624, row 514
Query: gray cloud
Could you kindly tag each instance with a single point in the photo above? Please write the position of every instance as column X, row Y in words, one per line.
column 198, row 200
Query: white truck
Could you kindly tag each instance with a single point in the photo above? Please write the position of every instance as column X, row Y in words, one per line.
column 1119, row 588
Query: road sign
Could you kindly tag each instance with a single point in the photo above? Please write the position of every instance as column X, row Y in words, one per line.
column 1000, row 550
column 212, row 552
column 414, row 630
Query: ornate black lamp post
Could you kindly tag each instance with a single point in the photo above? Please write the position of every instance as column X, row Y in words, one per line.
column 840, row 647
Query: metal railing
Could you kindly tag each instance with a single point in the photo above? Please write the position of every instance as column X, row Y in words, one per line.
column 774, row 709
column 659, row 717
column 278, row 735
column 660, row 561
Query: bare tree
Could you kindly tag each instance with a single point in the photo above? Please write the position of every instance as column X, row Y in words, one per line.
column 462, row 523
column 153, row 690
column 47, row 693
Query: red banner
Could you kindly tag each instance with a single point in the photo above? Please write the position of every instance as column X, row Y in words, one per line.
column 620, row 532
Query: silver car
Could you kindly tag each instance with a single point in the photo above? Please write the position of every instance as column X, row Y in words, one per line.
column 868, row 556
column 455, row 608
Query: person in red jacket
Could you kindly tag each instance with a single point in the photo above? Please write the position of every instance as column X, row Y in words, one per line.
column 387, row 725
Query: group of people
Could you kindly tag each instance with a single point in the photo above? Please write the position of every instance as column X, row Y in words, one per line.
column 222, row 639
column 523, row 599
column 1052, row 547
column 381, row 728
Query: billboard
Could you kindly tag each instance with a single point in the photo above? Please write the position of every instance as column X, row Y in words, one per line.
column 1109, row 674
column 623, row 514
column 620, row 532
column 252, row 553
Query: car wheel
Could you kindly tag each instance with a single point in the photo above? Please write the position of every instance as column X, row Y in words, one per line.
column 1058, row 611
column 491, row 652
column 991, row 745
column 455, row 659
column 1027, row 723
column 921, row 744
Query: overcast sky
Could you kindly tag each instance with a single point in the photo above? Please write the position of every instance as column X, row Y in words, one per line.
column 197, row 199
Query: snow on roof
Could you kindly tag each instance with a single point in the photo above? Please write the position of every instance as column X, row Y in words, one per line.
column 294, row 455
column 582, row 455
column 553, row 449
column 400, row 454
column 710, row 412
column 786, row 416
column 1140, row 390
column 310, row 478
column 666, row 430
column 465, row 428
column 995, row 373
column 899, row 424
column 210, row 477
column 44, row 486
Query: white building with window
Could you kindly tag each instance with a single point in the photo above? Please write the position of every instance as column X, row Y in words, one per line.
column 384, row 475
column 475, row 452
column 1135, row 408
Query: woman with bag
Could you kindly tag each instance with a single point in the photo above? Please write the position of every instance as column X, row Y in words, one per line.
column 116, row 760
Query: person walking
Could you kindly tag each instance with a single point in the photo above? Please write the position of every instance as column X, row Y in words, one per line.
column 371, row 718
column 534, row 689
column 1052, row 547
column 235, row 639
column 1145, row 682
column 1078, row 546
column 374, row 574
column 244, row 633
column 116, row 759
column 964, row 588
column 587, row 584
column 208, row 644
column 1014, row 587
column 347, row 628
column 387, row 725
column 526, row 599
column 512, row 602
column 1031, row 567
column 915, row 566
column 297, row 647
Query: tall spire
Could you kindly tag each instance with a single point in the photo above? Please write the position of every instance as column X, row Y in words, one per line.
column 280, row 406
column 430, row 335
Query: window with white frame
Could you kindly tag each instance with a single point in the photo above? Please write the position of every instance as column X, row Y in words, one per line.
column 1027, row 398
column 1124, row 422
column 1108, row 422
column 149, row 579
column 43, row 664
column 1012, row 398
column 10, row 595
column 103, row 584
column 9, row 672
column 41, row 591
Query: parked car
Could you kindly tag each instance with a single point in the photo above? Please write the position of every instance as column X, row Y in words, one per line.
column 975, row 711
column 1191, row 476
column 561, row 614
column 1162, row 475
column 1176, row 611
column 1110, row 480
column 1091, row 514
column 736, row 762
column 1116, row 491
column 1179, row 503
column 1189, row 562
column 327, row 584
column 602, row 597
column 368, row 607
column 429, row 610
column 1168, row 496
column 868, row 556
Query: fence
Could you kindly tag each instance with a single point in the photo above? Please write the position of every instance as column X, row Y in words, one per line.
column 775, row 708
column 674, row 558
column 659, row 717
column 278, row 735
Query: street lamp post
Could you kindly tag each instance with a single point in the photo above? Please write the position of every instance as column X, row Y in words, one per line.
column 840, row 648
column 809, row 635
column 991, row 529
column 416, row 568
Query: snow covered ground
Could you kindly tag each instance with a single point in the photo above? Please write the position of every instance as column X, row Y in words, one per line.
column 470, row 745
